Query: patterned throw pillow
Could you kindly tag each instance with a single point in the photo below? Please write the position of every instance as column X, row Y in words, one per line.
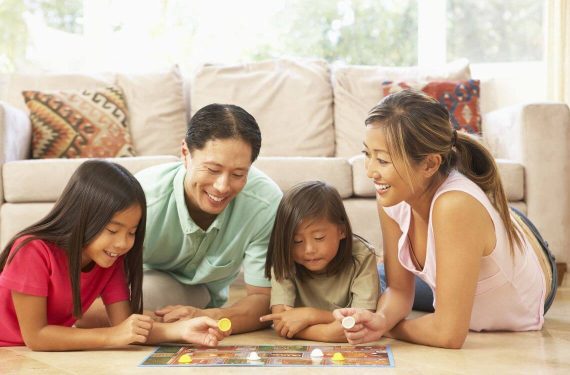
column 79, row 124
column 461, row 98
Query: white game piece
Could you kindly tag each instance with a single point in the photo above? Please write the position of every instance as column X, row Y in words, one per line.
column 253, row 356
column 317, row 353
column 348, row 322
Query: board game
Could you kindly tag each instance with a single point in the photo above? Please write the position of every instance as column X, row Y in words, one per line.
column 271, row 355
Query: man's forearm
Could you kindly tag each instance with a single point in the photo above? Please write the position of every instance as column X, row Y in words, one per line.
column 244, row 314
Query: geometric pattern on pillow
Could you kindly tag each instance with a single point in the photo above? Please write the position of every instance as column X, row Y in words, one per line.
column 461, row 98
column 79, row 124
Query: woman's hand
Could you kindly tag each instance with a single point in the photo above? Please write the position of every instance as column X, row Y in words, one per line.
column 369, row 326
column 289, row 322
column 134, row 329
column 202, row 331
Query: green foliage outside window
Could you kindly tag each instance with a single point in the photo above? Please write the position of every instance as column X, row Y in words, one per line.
column 353, row 32
column 495, row 30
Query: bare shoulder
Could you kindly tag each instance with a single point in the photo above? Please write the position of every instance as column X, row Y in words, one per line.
column 457, row 204
column 460, row 215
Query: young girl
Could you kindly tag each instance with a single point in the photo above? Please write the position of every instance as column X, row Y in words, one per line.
column 445, row 219
column 316, row 265
column 88, row 245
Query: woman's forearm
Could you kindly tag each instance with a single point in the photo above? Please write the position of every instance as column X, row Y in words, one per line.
column 427, row 330
column 394, row 306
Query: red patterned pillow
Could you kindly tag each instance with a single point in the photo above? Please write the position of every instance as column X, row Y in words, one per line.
column 79, row 124
column 461, row 98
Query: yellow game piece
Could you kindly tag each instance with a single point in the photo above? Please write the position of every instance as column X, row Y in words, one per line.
column 185, row 358
column 338, row 357
column 224, row 324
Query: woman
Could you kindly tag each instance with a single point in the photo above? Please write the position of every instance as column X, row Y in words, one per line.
column 445, row 219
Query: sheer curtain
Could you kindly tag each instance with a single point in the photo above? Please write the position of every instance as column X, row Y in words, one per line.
column 558, row 50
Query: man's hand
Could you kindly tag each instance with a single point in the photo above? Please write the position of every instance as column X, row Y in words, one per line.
column 173, row 313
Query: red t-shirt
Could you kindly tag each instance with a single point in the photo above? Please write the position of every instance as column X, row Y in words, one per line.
column 40, row 269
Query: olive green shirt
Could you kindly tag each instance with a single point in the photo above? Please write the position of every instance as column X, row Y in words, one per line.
column 357, row 285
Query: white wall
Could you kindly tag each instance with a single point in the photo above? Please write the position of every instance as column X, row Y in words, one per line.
column 505, row 84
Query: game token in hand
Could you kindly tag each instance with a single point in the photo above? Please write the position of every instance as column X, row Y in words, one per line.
column 185, row 358
column 348, row 322
column 224, row 324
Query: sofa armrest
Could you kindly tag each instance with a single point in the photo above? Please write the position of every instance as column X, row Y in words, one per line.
column 538, row 136
column 15, row 137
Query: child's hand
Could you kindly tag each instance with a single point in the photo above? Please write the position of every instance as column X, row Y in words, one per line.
column 289, row 322
column 369, row 326
column 202, row 330
column 173, row 313
column 134, row 329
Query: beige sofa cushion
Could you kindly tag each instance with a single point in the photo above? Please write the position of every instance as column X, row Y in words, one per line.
column 288, row 171
column 358, row 88
column 157, row 111
column 22, row 177
column 52, row 82
column 291, row 100
column 155, row 103
column 512, row 176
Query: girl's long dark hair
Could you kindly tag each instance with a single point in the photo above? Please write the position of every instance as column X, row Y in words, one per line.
column 97, row 190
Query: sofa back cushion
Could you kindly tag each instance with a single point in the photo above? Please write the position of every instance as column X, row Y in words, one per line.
column 157, row 112
column 291, row 100
column 18, row 83
column 358, row 88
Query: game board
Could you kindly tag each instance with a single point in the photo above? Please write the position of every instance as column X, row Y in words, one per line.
column 271, row 355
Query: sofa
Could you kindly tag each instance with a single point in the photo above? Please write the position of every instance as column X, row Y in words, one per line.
column 311, row 116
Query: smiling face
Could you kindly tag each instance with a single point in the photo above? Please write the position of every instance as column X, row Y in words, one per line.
column 116, row 238
column 390, row 187
column 215, row 174
column 316, row 243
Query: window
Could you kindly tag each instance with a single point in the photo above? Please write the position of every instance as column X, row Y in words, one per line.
column 63, row 35
column 495, row 30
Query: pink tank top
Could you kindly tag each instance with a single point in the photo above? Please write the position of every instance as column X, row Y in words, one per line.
column 510, row 290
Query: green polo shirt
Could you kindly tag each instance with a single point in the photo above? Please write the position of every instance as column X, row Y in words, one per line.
column 175, row 244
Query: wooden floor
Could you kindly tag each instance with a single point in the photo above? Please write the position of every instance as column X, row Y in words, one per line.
column 543, row 352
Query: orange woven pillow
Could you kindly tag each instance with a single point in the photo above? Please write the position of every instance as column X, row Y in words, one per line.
column 79, row 124
column 461, row 98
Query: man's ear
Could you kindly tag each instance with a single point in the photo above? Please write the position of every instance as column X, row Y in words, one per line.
column 431, row 164
column 185, row 153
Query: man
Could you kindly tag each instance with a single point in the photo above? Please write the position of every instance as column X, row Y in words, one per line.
column 208, row 216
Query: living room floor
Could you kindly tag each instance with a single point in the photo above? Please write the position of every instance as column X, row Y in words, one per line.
column 543, row 352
